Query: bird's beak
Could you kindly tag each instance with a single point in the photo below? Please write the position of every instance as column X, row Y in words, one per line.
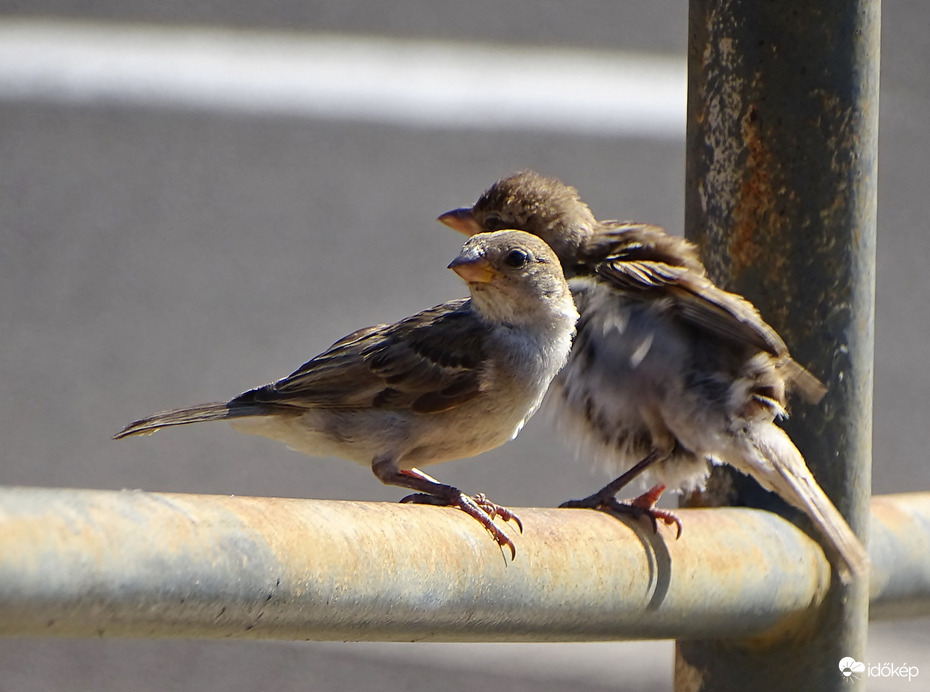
column 461, row 220
column 473, row 267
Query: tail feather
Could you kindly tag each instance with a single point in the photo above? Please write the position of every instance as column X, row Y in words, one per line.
column 785, row 471
column 804, row 382
column 194, row 414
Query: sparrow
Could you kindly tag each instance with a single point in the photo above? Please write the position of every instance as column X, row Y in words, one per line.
column 668, row 373
column 452, row 381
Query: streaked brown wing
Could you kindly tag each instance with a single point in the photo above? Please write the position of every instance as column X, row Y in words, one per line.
column 642, row 259
column 638, row 258
column 628, row 241
column 430, row 362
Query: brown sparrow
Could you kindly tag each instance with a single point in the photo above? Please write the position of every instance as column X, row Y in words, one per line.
column 452, row 381
column 667, row 372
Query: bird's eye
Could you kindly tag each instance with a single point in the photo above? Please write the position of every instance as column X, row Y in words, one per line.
column 517, row 258
column 492, row 222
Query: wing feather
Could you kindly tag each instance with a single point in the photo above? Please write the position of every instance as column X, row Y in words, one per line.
column 642, row 260
column 430, row 362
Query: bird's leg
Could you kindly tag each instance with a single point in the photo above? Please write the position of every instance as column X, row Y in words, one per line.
column 432, row 492
column 644, row 505
column 492, row 509
column 609, row 491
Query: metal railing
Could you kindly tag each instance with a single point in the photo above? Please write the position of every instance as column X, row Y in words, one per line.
column 139, row 564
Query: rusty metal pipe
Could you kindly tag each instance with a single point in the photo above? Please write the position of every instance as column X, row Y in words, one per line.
column 900, row 552
column 139, row 564
column 781, row 194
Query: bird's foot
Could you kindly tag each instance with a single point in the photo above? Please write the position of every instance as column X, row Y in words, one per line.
column 646, row 503
column 495, row 510
column 479, row 508
column 642, row 506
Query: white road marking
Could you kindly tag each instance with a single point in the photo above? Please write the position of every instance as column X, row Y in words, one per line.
column 414, row 83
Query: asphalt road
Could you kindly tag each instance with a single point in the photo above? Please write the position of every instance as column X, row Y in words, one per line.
column 155, row 257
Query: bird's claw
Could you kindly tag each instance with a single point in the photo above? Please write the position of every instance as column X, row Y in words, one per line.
column 494, row 510
column 642, row 510
column 642, row 506
column 479, row 508
column 590, row 502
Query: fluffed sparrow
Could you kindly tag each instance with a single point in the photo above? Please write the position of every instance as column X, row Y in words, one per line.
column 452, row 381
column 668, row 372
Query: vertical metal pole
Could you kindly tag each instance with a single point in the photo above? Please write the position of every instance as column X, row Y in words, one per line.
column 781, row 198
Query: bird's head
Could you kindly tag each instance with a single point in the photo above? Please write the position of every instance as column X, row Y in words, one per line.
column 514, row 277
column 528, row 201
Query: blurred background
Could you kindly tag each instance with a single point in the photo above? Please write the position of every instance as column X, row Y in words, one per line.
column 197, row 197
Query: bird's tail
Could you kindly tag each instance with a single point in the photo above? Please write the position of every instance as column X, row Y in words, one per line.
column 784, row 470
column 193, row 414
column 804, row 381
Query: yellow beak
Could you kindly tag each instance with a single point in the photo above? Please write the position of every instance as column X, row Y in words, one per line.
column 473, row 268
column 461, row 220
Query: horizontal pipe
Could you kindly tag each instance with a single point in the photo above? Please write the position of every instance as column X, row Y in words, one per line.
column 140, row 564
column 900, row 551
